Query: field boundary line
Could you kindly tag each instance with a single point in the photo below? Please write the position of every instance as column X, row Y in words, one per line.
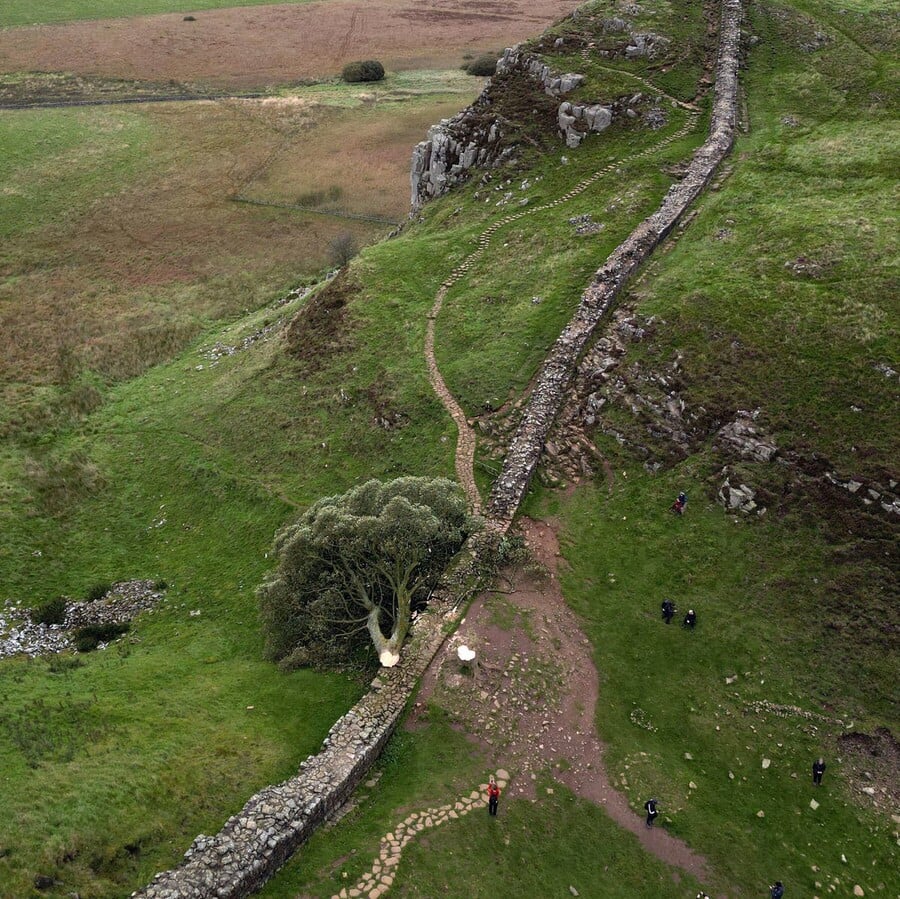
column 356, row 216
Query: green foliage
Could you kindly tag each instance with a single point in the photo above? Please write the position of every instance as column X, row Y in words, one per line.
column 51, row 612
column 360, row 561
column 485, row 65
column 88, row 638
column 97, row 591
column 363, row 70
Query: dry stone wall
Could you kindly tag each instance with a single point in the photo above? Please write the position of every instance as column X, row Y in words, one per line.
column 256, row 841
column 276, row 821
column 550, row 388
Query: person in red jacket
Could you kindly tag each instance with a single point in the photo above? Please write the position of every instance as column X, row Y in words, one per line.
column 493, row 796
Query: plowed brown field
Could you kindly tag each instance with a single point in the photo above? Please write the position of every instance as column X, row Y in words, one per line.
column 248, row 47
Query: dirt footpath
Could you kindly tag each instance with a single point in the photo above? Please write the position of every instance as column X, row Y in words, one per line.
column 250, row 47
column 531, row 699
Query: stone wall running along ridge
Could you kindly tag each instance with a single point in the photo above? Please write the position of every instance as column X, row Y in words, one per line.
column 546, row 399
column 254, row 843
column 258, row 840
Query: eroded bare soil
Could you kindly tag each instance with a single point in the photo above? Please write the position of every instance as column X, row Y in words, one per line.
column 530, row 697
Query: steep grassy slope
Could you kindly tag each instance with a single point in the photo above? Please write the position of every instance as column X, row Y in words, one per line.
column 781, row 296
column 185, row 473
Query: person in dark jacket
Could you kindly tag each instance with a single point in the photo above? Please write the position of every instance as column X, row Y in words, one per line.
column 493, row 796
column 651, row 810
column 680, row 504
column 818, row 771
column 668, row 610
column 690, row 619
column 776, row 891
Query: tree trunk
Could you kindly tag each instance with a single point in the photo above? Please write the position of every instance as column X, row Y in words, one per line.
column 388, row 648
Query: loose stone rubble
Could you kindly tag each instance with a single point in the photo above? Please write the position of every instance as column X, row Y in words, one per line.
column 221, row 350
column 19, row 635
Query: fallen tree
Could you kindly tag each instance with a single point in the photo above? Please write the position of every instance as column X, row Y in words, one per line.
column 358, row 565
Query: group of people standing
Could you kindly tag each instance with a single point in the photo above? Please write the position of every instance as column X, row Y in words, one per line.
column 651, row 806
column 668, row 613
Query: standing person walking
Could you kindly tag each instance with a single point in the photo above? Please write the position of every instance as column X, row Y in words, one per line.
column 690, row 620
column 493, row 796
column 650, row 808
column 818, row 771
column 668, row 610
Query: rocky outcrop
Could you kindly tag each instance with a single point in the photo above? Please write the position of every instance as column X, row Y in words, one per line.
column 743, row 438
column 473, row 138
column 552, row 382
column 738, row 498
column 646, row 45
column 590, row 118
column 514, row 58
column 454, row 147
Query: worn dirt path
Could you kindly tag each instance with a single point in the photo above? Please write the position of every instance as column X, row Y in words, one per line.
column 532, row 700
column 467, row 441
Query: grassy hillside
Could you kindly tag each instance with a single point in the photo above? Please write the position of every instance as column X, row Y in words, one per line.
column 122, row 240
column 797, row 608
column 184, row 473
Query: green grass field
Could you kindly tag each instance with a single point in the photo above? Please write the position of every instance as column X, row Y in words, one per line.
column 184, row 473
column 24, row 12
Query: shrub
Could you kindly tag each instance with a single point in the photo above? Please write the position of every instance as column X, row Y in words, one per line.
column 342, row 249
column 485, row 65
column 88, row 638
column 51, row 612
column 97, row 591
column 364, row 70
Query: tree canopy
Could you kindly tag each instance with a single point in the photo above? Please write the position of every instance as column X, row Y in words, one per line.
column 360, row 563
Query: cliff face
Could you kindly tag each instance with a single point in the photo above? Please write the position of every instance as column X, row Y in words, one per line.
column 473, row 138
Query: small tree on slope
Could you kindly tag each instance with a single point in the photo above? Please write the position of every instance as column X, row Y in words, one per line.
column 361, row 562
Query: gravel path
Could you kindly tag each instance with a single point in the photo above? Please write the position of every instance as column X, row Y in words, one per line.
column 467, row 441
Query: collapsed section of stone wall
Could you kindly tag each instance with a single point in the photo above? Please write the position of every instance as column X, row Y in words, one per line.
column 546, row 399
